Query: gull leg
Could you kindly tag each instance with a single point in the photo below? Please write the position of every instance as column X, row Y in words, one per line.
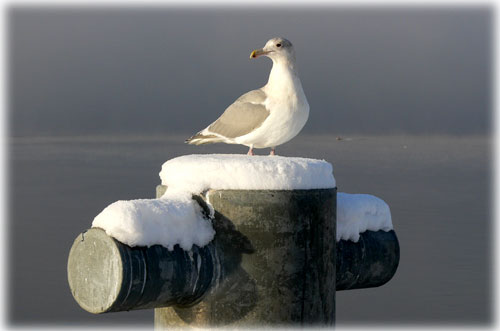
column 273, row 151
column 250, row 151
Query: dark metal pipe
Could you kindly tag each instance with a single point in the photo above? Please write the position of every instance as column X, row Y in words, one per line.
column 105, row 275
column 370, row 262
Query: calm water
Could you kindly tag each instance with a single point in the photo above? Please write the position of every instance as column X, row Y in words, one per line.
column 438, row 189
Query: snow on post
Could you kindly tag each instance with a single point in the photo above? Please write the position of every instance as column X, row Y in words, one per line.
column 176, row 218
column 197, row 173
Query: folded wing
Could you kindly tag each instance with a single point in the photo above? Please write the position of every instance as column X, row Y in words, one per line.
column 246, row 114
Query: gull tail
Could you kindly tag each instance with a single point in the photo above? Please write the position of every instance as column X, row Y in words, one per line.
column 201, row 139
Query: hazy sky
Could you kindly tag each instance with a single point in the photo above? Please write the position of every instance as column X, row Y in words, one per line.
column 166, row 70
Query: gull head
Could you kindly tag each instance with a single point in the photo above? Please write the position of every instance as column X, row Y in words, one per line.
column 277, row 49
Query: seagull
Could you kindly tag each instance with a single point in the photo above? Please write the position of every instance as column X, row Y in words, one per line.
column 266, row 117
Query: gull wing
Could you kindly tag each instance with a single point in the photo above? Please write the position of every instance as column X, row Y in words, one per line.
column 246, row 114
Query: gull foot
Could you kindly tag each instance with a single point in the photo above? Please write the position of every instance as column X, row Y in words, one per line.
column 273, row 152
column 250, row 151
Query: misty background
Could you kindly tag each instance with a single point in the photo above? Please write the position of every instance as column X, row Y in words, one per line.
column 383, row 70
column 100, row 97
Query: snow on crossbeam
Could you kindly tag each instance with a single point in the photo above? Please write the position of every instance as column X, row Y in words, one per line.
column 357, row 213
column 174, row 219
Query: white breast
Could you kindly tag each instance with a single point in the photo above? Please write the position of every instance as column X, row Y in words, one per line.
column 288, row 115
column 288, row 107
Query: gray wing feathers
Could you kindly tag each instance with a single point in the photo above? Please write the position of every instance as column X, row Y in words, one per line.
column 242, row 117
column 255, row 96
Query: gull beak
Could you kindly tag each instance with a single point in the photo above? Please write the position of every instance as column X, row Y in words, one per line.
column 258, row 52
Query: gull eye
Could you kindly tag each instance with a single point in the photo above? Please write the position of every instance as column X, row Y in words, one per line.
column 278, row 45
